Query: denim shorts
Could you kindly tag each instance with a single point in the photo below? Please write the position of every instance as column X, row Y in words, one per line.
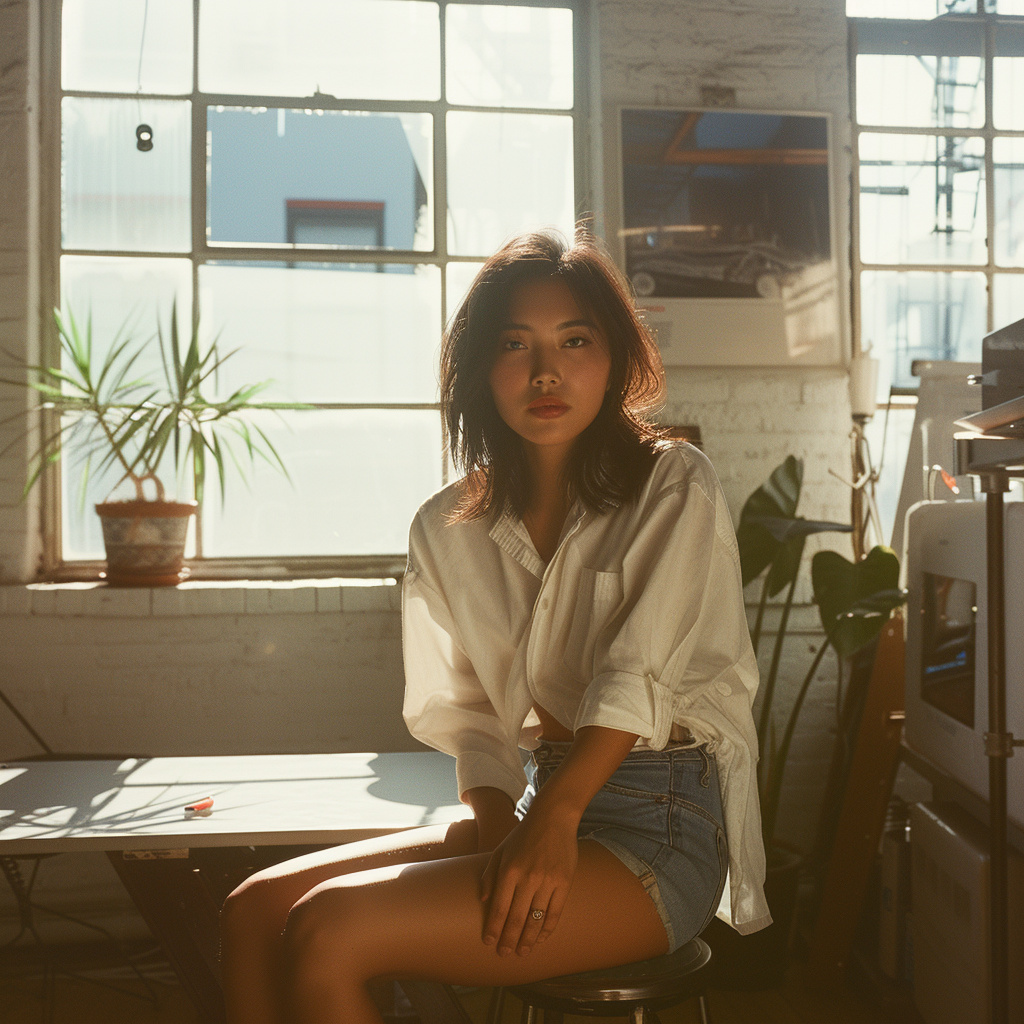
column 660, row 813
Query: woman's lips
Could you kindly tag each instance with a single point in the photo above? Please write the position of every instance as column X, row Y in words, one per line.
column 547, row 408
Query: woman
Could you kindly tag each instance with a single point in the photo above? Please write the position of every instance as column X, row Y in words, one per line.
column 577, row 593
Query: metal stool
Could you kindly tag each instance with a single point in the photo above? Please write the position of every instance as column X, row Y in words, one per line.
column 635, row 990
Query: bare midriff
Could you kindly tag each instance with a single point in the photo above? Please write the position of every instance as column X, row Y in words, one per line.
column 552, row 730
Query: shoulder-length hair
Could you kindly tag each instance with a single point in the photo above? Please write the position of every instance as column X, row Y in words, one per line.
column 612, row 457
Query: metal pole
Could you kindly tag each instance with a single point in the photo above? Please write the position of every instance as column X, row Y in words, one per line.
column 998, row 745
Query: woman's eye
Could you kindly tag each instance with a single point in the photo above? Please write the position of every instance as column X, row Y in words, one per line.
column 511, row 344
column 577, row 342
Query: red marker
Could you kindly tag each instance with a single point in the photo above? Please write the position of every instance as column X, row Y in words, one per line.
column 201, row 806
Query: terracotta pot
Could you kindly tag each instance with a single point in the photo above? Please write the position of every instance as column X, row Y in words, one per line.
column 145, row 541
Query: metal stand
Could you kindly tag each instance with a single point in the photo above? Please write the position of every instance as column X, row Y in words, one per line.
column 995, row 460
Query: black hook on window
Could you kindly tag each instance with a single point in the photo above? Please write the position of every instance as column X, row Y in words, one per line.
column 144, row 138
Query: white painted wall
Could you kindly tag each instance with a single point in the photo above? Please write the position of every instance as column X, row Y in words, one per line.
column 317, row 667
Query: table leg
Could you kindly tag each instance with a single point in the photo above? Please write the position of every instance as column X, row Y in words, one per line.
column 182, row 914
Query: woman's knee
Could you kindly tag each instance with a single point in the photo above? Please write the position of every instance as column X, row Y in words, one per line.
column 258, row 906
column 325, row 934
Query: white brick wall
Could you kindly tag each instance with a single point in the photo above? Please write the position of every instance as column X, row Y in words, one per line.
column 317, row 666
column 776, row 55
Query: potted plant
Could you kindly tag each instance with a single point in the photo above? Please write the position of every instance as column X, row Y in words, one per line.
column 854, row 600
column 113, row 418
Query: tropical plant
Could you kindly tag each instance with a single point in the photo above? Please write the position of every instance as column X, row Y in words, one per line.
column 853, row 599
column 112, row 417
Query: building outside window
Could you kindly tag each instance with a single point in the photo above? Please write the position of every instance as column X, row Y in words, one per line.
column 324, row 181
column 937, row 88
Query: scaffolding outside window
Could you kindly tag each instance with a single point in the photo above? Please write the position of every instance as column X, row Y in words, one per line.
column 937, row 204
column 323, row 182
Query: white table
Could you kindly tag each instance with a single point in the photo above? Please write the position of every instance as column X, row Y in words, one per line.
column 174, row 864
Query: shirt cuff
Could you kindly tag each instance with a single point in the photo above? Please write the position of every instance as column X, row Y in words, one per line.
column 631, row 703
column 475, row 768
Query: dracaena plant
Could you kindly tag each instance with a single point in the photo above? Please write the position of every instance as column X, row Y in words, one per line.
column 111, row 416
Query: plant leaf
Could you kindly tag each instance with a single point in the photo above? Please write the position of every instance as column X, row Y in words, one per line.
column 854, row 599
column 777, row 497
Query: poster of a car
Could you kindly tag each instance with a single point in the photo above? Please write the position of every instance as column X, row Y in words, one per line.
column 724, row 203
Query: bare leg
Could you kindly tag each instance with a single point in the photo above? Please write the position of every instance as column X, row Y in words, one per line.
column 254, row 915
column 426, row 921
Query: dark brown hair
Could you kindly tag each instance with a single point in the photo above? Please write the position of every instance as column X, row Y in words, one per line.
column 612, row 457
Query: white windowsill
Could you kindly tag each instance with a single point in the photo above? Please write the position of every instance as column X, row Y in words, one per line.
column 203, row 597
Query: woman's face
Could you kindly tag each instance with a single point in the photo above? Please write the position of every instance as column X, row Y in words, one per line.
column 551, row 371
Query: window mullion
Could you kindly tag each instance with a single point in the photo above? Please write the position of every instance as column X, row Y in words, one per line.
column 990, row 183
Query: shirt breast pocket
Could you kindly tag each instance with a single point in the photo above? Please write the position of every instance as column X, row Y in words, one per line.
column 598, row 596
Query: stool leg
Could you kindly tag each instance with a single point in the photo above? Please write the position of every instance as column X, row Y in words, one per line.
column 497, row 1005
column 702, row 1006
column 529, row 1015
column 638, row 1015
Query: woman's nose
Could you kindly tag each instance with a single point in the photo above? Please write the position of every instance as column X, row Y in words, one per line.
column 546, row 374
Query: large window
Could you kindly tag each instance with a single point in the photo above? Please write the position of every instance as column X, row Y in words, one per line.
column 938, row 189
column 324, row 180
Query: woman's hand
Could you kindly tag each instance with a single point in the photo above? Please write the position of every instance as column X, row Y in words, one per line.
column 531, row 870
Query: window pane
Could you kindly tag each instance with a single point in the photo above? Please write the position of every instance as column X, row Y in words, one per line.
column 922, row 199
column 102, row 42
column 508, row 56
column 892, row 458
column 123, row 296
column 507, row 173
column 358, row 478
column 1008, row 93
column 1008, row 161
column 908, row 316
column 458, row 278
column 126, row 294
column 1007, row 299
column 360, row 49
column 340, row 178
column 920, row 92
column 909, row 8
column 114, row 195
column 327, row 335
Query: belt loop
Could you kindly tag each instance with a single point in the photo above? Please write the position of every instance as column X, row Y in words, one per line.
column 705, row 775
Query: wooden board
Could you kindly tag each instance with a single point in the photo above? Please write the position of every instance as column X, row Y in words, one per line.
column 862, row 818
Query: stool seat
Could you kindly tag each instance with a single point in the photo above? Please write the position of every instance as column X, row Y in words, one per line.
column 651, row 984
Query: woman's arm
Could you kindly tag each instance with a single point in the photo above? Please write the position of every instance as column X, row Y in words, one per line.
column 533, row 868
column 495, row 815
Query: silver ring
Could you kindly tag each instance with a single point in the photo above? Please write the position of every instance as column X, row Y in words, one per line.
column 537, row 914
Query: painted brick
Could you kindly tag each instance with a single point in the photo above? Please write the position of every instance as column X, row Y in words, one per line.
column 328, row 599
column 15, row 600
column 113, row 602
column 191, row 599
column 365, row 599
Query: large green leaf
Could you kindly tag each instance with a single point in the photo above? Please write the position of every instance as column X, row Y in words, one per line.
column 776, row 498
column 772, row 534
column 854, row 599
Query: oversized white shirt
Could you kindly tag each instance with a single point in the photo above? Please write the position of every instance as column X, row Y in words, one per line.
column 637, row 623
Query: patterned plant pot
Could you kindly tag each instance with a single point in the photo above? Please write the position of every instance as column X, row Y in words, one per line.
column 145, row 541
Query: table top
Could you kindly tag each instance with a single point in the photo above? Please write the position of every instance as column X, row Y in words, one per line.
column 258, row 800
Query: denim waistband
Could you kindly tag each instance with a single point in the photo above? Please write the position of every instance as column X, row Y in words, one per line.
column 551, row 752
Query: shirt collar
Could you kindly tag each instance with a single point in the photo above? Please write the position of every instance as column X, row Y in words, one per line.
column 511, row 535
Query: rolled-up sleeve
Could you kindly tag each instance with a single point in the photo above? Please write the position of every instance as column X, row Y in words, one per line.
column 681, row 629
column 446, row 705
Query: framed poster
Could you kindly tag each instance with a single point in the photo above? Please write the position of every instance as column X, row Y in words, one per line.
column 727, row 234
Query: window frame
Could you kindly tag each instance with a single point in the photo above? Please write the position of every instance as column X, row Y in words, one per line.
column 901, row 36
column 586, row 152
